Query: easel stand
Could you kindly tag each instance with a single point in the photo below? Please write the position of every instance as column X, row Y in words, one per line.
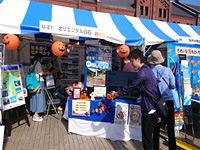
column 15, row 115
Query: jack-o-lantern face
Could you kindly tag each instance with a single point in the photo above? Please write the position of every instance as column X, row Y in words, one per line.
column 58, row 48
column 11, row 41
column 109, row 97
column 124, row 51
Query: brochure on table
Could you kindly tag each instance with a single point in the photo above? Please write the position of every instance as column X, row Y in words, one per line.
column 135, row 116
column 121, row 113
column 12, row 92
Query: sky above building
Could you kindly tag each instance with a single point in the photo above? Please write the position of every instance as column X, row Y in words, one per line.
column 192, row 2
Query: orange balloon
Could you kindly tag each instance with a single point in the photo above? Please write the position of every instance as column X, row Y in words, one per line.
column 11, row 41
column 58, row 48
column 124, row 51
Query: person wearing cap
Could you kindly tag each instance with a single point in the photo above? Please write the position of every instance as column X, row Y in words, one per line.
column 145, row 78
column 156, row 59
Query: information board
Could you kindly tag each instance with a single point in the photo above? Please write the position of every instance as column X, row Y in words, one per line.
column 12, row 91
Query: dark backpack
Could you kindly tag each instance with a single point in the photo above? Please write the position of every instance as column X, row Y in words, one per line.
column 32, row 83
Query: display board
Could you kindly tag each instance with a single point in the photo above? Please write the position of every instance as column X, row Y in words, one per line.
column 117, row 80
column 12, row 91
column 24, row 69
column 192, row 53
column 69, row 65
column 44, row 49
column 2, row 52
column 98, row 60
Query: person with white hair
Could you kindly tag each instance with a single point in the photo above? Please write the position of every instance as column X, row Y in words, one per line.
column 166, row 81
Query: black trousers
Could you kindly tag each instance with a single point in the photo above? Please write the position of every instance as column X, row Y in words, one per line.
column 148, row 124
column 169, row 120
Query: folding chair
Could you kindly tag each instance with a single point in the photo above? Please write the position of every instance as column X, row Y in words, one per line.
column 51, row 101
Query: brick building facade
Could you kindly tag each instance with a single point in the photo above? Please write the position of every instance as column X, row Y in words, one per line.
column 163, row 10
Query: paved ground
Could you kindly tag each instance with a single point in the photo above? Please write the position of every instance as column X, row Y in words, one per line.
column 52, row 134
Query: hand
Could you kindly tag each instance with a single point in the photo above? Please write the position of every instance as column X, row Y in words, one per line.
column 114, row 94
column 159, row 120
column 48, row 73
column 68, row 50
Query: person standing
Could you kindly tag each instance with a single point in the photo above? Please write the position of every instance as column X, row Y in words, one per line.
column 166, row 81
column 145, row 78
column 128, row 66
column 37, row 101
column 53, row 66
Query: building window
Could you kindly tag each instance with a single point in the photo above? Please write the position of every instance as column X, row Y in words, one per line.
column 141, row 10
column 160, row 12
column 164, row 13
column 146, row 11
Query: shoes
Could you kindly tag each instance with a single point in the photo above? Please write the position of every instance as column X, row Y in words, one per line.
column 37, row 118
column 59, row 108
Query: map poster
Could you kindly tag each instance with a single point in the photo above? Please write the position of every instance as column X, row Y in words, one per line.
column 135, row 116
column 12, row 91
column 80, row 108
column 121, row 113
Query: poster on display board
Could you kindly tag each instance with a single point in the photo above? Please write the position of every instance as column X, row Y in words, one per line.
column 135, row 116
column 12, row 91
column 80, row 108
column 44, row 49
column 98, row 60
column 24, row 69
column 192, row 53
column 121, row 113
column 2, row 52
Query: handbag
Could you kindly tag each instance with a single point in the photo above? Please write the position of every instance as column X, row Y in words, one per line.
column 160, row 105
column 175, row 97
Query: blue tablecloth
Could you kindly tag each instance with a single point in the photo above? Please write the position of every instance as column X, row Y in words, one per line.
column 106, row 116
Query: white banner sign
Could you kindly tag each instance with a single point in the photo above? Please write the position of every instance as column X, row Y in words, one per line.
column 189, row 40
column 74, row 30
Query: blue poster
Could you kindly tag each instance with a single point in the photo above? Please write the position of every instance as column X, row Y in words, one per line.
column 98, row 60
column 192, row 53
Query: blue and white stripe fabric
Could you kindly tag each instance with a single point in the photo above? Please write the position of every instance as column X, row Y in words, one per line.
column 29, row 17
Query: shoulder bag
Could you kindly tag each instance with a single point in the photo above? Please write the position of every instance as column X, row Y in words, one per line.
column 160, row 105
column 175, row 97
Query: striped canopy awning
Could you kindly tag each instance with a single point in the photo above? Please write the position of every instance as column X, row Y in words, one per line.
column 29, row 17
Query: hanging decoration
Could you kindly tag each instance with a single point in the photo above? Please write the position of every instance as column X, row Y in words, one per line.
column 11, row 41
column 124, row 51
column 58, row 48
column 72, row 47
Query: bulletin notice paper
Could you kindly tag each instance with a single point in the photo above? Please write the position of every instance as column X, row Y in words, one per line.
column 80, row 108
column 121, row 113
column 1, row 136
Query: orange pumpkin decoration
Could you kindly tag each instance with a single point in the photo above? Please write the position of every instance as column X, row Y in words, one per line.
column 11, row 41
column 83, row 96
column 124, row 51
column 58, row 48
column 109, row 97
